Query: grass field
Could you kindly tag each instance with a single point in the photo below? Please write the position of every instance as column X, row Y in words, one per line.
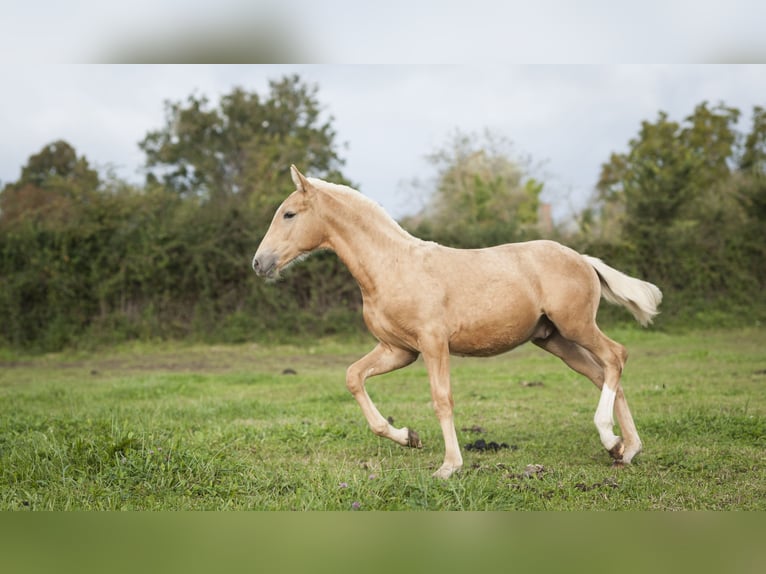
column 170, row 426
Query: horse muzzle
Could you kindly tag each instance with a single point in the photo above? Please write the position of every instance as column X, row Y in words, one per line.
column 265, row 264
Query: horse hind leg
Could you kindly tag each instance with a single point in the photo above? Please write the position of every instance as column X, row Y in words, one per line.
column 583, row 361
column 632, row 441
column 612, row 356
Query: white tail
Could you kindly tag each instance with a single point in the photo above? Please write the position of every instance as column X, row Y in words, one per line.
column 641, row 298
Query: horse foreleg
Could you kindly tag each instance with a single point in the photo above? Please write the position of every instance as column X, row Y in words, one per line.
column 382, row 359
column 437, row 363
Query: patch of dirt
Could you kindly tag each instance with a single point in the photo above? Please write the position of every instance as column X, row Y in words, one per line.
column 475, row 429
column 481, row 445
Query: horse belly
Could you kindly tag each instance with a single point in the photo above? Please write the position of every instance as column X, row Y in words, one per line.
column 494, row 332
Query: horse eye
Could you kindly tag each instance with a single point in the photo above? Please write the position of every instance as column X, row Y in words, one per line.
column 289, row 214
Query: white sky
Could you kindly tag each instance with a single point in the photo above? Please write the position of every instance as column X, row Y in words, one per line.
column 569, row 117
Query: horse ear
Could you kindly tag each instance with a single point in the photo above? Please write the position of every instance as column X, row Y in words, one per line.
column 301, row 183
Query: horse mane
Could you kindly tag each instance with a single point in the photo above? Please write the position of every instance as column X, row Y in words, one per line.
column 353, row 196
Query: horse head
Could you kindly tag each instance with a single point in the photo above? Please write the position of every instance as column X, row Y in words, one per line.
column 295, row 231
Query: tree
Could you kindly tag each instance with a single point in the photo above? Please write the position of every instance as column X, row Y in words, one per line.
column 752, row 191
column 753, row 158
column 482, row 195
column 244, row 146
column 234, row 158
column 58, row 161
column 667, row 166
column 683, row 206
column 84, row 256
column 44, row 261
column 51, row 184
column 651, row 193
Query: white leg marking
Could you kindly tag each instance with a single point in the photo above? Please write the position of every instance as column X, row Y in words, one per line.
column 603, row 418
column 453, row 460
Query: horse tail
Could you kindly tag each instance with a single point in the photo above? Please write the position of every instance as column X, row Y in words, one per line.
column 641, row 298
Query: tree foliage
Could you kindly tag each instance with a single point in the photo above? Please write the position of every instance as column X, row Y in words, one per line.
column 753, row 159
column 240, row 147
column 683, row 207
column 483, row 194
column 86, row 258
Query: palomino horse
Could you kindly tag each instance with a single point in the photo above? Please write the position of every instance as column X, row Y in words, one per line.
column 423, row 298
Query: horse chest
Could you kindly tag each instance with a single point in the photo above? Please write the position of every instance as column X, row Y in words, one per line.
column 394, row 324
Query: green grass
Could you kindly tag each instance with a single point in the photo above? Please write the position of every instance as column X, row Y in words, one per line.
column 193, row 427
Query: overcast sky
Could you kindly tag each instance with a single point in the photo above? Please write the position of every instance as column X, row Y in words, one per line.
column 389, row 117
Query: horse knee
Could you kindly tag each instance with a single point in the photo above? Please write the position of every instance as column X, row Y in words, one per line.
column 354, row 380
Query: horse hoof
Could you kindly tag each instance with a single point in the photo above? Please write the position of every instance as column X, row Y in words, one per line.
column 413, row 439
column 445, row 471
column 618, row 464
column 617, row 451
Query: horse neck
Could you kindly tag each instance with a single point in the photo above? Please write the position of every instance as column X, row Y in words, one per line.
column 364, row 237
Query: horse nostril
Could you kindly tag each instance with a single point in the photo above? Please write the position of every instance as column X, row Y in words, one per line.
column 256, row 265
